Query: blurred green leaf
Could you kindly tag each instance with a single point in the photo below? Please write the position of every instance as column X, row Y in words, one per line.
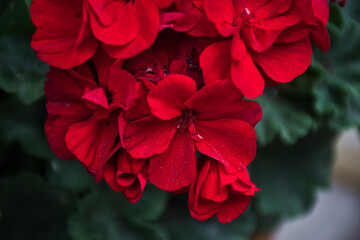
column 352, row 9
column 21, row 72
column 290, row 175
column 24, row 125
column 337, row 92
column 181, row 226
column 281, row 119
column 28, row 2
column 336, row 19
column 107, row 215
column 70, row 175
column 31, row 210
column 15, row 18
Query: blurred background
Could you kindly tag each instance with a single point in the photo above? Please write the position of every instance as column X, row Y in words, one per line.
column 307, row 163
column 336, row 214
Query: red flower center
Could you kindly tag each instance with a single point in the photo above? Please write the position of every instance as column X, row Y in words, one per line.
column 241, row 17
column 186, row 120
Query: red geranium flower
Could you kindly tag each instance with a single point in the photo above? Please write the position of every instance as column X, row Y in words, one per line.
column 264, row 42
column 214, row 120
column 63, row 37
column 127, row 175
column 83, row 112
column 218, row 192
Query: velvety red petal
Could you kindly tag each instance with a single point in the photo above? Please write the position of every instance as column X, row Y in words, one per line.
column 232, row 208
column 167, row 99
column 123, row 25
column 63, row 38
column 211, row 188
column 92, row 140
column 320, row 37
column 215, row 61
column 145, row 137
column 221, row 100
column 121, row 85
column 163, row 3
column 149, row 28
column 110, row 175
column 220, row 12
column 128, row 164
column 201, row 209
column 174, row 168
column 98, row 97
column 247, row 77
column 204, row 27
column 231, row 142
column 284, row 62
column 55, row 130
column 321, row 10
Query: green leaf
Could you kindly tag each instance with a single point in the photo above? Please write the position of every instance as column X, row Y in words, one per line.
column 282, row 118
column 290, row 175
column 24, row 125
column 15, row 18
column 28, row 2
column 70, row 175
column 352, row 9
column 106, row 215
column 31, row 210
column 337, row 92
column 336, row 19
column 21, row 72
column 181, row 226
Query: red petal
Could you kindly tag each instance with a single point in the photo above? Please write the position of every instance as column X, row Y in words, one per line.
column 128, row 164
column 284, row 62
column 211, row 188
column 231, row 142
column 92, row 140
column 110, row 175
column 114, row 22
column 163, row 3
column 98, row 97
column 146, row 137
column 62, row 39
column 220, row 12
column 215, row 61
column 175, row 168
column 320, row 37
column 121, row 85
column 149, row 28
column 232, row 208
column 201, row 209
column 221, row 100
column 247, row 77
column 167, row 99
column 55, row 130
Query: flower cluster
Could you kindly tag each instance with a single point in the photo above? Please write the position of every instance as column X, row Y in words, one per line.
column 153, row 90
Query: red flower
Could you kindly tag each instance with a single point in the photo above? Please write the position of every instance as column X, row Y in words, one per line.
column 126, row 174
column 218, row 192
column 214, row 120
column 63, row 37
column 83, row 112
column 124, row 27
column 264, row 41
